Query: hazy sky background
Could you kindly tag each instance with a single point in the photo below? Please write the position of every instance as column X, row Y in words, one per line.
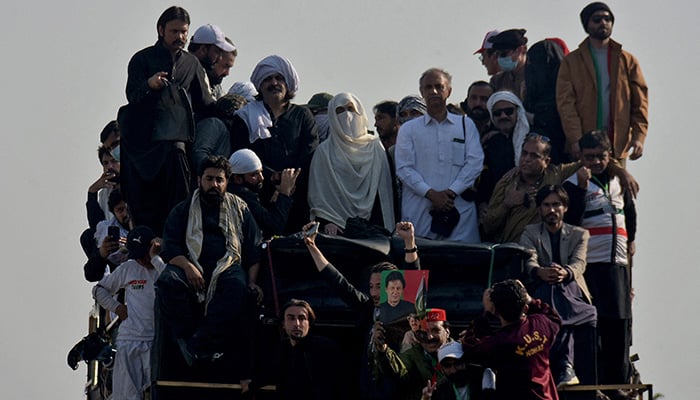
column 63, row 78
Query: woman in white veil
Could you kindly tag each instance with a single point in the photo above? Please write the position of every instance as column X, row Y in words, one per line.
column 349, row 175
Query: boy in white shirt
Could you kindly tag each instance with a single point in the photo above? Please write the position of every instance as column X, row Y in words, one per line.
column 137, row 276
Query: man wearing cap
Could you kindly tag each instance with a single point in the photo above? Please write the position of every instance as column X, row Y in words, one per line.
column 419, row 364
column 487, row 54
column 438, row 157
column 212, row 48
column 204, row 294
column 247, row 180
column 601, row 87
column 136, row 276
column 318, row 104
column 281, row 133
column 166, row 86
column 461, row 382
column 385, row 122
column 511, row 49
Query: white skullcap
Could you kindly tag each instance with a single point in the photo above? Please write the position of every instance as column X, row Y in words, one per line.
column 244, row 161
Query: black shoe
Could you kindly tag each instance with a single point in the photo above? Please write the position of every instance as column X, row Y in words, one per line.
column 567, row 377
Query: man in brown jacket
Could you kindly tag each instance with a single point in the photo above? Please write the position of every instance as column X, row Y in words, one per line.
column 601, row 87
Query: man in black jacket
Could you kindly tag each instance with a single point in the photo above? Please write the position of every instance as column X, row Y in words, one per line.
column 165, row 86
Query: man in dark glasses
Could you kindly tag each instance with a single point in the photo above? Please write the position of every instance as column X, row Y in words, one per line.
column 503, row 146
column 601, row 87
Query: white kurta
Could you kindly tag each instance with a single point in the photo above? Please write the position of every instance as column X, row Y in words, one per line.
column 439, row 156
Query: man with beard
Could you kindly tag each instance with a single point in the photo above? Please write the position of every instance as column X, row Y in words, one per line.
column 462, row 381
column 601, row 87
column 386, row 123
column 281, row 133
column 438, row 157
column 302, row 368
column 212, row 48
column 247, row 181
column 211, row 247
column 417, row 365
column 166, row 86
column 600, row 204
column 557, row 264
column 474, row 105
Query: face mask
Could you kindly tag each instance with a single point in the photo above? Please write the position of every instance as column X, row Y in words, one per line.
column 507, row 63
column 351, row 124
column 116, row 152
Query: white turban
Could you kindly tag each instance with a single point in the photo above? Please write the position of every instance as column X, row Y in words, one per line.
column 245, row 89
column 244, row 161
column 522, row 127
column 276, row 65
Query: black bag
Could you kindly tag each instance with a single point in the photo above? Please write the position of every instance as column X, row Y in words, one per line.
column 444, row 222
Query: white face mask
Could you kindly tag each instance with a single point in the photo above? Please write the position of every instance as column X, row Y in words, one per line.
column 351, row 124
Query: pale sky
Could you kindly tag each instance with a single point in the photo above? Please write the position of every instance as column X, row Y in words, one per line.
column 64, row 76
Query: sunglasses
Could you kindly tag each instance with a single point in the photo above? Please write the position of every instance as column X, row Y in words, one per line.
column 507, row 111
column 598, row 18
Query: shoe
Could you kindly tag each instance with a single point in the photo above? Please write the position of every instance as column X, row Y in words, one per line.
column 567, row 377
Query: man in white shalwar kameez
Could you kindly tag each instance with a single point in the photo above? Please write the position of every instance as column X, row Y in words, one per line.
column 438, row 157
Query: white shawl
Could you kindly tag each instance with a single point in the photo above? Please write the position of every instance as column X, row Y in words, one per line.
column 258, row 120
column 349, row 169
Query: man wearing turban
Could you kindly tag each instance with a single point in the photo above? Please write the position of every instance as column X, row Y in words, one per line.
column 281, row 133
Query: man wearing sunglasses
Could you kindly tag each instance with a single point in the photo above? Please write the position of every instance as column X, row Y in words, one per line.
column 504, row 143
column 601, row 87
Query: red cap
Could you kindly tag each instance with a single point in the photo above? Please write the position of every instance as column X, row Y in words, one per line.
column 435, row 314
column 485, row 45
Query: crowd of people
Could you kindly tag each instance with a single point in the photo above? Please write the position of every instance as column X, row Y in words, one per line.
column 194, row 179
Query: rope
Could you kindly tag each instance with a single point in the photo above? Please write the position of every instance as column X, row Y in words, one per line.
column 272, row 276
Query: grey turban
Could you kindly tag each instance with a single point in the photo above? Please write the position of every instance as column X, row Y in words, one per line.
column 410, row 103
